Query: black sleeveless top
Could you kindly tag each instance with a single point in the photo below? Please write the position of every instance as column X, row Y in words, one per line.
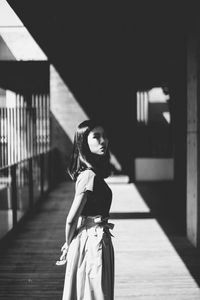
column 99, row 195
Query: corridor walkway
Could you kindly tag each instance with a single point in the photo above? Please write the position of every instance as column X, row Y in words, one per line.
column 153, row 261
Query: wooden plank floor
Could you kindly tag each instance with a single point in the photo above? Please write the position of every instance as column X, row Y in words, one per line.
column 150, row 265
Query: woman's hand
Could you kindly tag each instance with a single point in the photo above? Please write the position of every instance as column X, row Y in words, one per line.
column 64, row 250
column 65, row 247
column 63, row 257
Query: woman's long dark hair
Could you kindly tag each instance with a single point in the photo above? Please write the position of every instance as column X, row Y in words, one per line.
column 82, row 158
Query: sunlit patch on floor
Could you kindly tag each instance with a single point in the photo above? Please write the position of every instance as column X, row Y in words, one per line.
column 146, row 262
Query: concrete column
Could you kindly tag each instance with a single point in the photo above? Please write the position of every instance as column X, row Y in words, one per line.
column 193, row 145
column 178, row 109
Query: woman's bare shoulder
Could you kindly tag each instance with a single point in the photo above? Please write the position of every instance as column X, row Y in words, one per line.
column 85, row 181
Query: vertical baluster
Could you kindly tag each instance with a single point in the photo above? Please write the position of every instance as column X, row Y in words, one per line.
column 142, row 106
column 31, row 195
column 34, row 126
column 25, row 130
column 148, row 106
column 44, row 141
column 138, row 106
column 40, row 118
column 28, row 131
column 31, row 126
column 2, row 126
column 42, row 155
column 36, row 123
column 145, row 107
column 140, row 97
column 31, row 163
column 18, row 128
column 6, row 136
column 42, row 123
column 11, row 129
column 23, row 126
column 1, row 161
column 48, row 123
column 24, row 140
column 40, row 169
column 2, row 136
column 35, row 140
column 15, row 134
column 21, row 149
column 9, row 136
column 41, row 173
column 14, row 194
column 45, row 122
column 39, row 123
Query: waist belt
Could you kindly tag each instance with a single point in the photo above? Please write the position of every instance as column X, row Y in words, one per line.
column 91, row 221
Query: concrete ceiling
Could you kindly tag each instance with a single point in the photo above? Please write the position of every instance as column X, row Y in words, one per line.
column 107, row 43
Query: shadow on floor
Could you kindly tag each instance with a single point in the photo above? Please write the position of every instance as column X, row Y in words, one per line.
column 125, row 215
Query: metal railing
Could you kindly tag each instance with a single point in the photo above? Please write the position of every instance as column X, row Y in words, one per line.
column 26, row 162
column 22, row 185
column 24, row 129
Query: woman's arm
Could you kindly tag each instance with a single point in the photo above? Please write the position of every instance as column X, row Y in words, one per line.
column 84, row 185
column 72, row 220
column 74, row 214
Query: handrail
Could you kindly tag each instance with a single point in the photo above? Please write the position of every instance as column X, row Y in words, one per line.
column 33, row 176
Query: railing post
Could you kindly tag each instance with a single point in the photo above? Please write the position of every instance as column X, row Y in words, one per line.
column 14, row 193
column 42, row 173
column 49, row 170
column 31, row 182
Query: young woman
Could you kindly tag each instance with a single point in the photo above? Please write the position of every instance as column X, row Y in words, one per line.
column 88, row 249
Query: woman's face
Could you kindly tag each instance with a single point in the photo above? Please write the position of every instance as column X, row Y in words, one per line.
column 97, row 141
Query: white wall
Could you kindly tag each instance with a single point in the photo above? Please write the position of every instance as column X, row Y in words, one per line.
column 154, row 169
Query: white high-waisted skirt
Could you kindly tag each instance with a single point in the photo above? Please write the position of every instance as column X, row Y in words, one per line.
column 90, row 262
